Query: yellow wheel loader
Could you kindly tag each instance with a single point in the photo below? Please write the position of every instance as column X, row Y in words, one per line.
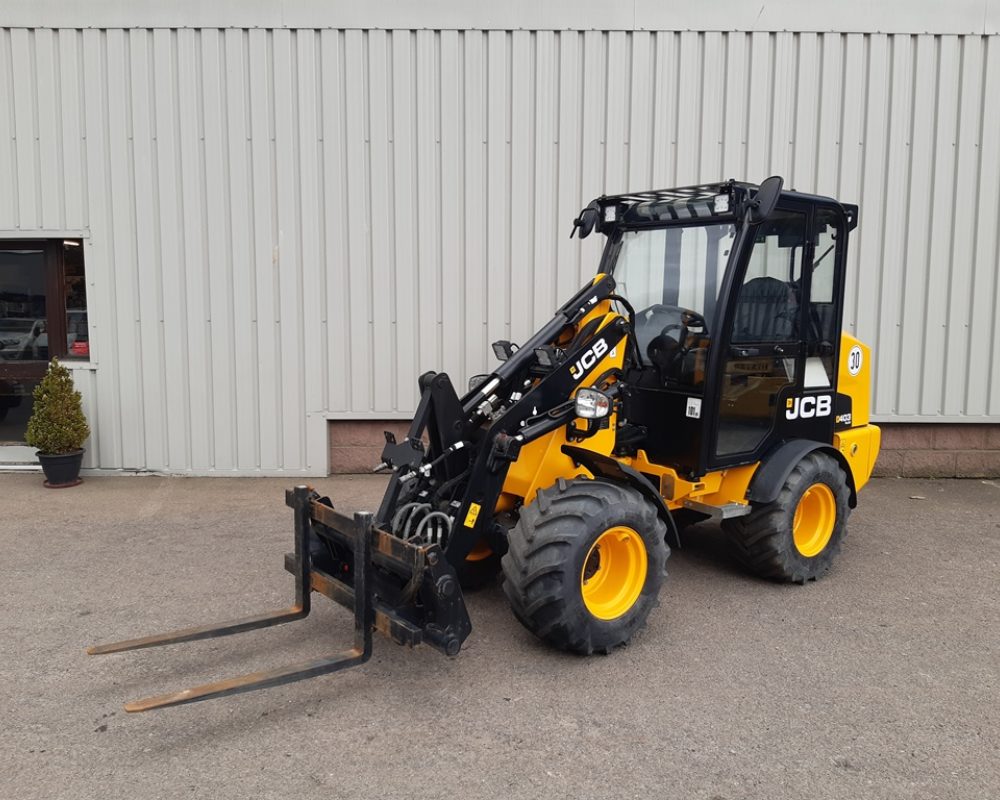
column 701, row 373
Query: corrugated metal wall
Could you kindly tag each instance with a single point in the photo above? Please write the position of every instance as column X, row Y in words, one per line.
column 290, row 225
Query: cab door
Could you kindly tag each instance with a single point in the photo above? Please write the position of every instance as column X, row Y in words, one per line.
column 762, row 370
column 778, row 377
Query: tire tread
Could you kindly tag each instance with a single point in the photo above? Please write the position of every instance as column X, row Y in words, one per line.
column 762, row 541
column 539, row 571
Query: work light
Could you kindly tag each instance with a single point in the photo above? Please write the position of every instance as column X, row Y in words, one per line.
column 592, row 404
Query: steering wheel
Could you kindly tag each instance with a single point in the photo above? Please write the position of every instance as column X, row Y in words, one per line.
column 665, row 350
column 689, row 317
column 676, row 326
column 668, row 352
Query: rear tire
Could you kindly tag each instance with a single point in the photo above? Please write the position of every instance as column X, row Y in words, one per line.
column 585, row 564
column 796, row 537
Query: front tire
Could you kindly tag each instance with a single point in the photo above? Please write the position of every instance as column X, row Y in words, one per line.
column 796, row 537
column 585, row 564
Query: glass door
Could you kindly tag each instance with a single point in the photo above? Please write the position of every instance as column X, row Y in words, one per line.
column 24, row 336
column 763, row 363
column 34, row 292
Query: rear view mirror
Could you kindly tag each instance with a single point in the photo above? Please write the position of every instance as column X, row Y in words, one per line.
column 585, row 223
column 763, row 203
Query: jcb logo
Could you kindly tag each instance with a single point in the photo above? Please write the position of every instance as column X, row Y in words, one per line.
column 588, row 359
column 808, row 407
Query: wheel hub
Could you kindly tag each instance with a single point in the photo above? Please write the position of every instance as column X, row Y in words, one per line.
column 815, row 518
column 614, row 572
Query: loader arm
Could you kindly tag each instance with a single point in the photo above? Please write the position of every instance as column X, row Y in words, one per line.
column 464, row 459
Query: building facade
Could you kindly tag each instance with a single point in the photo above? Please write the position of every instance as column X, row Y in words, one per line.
column 254, row 226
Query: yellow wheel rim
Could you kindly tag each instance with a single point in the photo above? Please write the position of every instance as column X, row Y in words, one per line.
column 614, row 572
column 815, row 518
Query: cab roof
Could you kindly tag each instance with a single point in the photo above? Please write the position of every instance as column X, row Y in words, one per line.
column 702, row 201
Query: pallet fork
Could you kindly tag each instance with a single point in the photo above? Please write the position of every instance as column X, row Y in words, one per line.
column 430, row 609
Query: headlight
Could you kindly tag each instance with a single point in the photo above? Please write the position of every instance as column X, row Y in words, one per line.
column 476, row 381
column 592, row 404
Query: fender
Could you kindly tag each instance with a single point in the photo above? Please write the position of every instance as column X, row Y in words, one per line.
column 612, row 470
column 777, row 465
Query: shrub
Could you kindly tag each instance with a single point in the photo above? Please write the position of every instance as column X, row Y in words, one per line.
column 57, row 423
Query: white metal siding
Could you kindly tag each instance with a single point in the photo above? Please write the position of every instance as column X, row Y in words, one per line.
column 845, row 16
column 285, row 225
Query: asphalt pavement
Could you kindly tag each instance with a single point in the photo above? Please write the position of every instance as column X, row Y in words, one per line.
column 879, row 681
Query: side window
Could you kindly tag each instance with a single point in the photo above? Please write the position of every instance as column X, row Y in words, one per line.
column 821, row 334
column 77, row 332
column 767, row 309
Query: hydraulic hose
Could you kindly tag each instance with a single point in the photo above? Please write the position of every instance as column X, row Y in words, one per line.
column 571, row 311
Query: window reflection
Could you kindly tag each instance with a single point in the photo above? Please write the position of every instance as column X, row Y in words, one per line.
column 77, row 333
column 23, row 329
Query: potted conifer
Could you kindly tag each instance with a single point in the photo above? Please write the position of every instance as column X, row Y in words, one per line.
column 58, row 427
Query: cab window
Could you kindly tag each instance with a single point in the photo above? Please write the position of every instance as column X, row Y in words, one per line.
column 671, row 276
column 821, row 324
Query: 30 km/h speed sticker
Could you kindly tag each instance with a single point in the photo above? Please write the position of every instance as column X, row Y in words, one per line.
column 854, row 360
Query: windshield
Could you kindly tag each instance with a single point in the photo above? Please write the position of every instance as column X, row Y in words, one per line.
column 675, row 266
column 665, row 272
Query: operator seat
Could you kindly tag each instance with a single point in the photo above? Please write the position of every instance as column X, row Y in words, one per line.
column 767, row 311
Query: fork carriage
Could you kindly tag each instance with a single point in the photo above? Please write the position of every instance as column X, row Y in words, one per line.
column 370, row 564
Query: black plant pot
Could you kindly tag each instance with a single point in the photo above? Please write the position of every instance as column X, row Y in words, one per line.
column 62, row 470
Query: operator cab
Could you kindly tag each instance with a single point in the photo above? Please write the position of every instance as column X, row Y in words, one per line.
column 736, row 314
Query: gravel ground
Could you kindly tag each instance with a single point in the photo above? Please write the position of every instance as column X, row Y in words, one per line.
column 880, row 681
